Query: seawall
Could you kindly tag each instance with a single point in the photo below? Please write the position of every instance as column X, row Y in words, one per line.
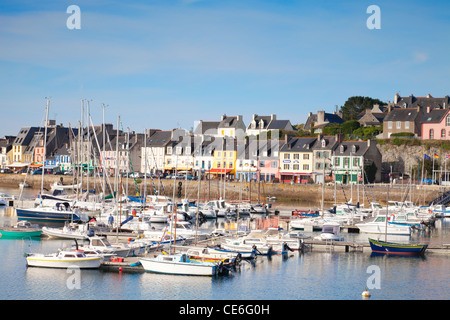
column 286, row 195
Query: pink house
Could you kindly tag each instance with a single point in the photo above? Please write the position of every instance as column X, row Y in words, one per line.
column 436, row 124
column 269, row 160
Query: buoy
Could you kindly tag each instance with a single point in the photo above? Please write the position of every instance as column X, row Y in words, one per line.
column 366, row 294
column 120, row 269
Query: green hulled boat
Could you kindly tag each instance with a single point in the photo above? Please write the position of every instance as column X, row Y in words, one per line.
column 23, row 229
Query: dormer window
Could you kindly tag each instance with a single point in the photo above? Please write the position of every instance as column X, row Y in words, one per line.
column 341, row 149
column 353, row 148
column 323, row 143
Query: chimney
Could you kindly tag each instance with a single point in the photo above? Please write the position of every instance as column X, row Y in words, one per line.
column 429, row 96
column 224, row 116
column 273, row 117
column 396, row 98
column 428, row 109
column 320, row 117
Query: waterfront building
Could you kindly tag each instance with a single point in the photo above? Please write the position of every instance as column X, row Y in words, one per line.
column 224, row 158
column 246, row 159
column 296, row 160
column 322, row 150
column 180, row 153
column 204, row 147
column 231, row 126
column 153, row 153
column 5, row 150
column 436, row 124
column 351, row 157
column 19, row 145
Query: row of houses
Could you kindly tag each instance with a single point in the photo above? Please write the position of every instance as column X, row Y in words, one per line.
column 229, row 148
column 214, row 148
column 293, row 159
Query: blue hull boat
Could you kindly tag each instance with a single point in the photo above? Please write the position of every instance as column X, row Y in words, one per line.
column 35, row 214
column 396, row 248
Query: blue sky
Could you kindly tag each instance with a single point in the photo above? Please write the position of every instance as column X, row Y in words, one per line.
column 164, row 64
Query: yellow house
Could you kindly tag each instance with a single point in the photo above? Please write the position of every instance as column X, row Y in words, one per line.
column 224, row 160
column 296, row 160
column 20, row 144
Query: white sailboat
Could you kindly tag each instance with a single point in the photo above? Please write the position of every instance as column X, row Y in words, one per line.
column 180, row 263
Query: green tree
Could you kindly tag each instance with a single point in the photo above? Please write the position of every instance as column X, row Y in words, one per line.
column 357, row 104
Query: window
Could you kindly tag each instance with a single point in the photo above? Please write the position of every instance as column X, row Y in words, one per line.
column 355, row 162
column 287, row 155
column 346, row 161
column 399, row 124
column 218, row 165
column 306, row 156
column 336, row 162
column 443, row 133
column 306, row 167
column 296, row 166
column 390, row 124
column 296, row 156
column 407, row 125
column 274, row 164
column 431, row 134
column 447, row 122
column 230, row 165
column 286, row 166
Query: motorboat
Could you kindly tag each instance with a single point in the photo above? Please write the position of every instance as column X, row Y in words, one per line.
column 69, row 231
column 330, row 231
column 179, row 264
column 275, row 238
column 381, row 226
column 104, row 246
column 22, row 229
column 247, row 245
column 64, row 259
column 209, row 255
column 61, row 213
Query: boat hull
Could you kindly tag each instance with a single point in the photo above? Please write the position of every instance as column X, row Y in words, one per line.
column 57, row 233
column 46, row 215
column 53, row 262
column 397, row 249
column 381, row 229
column 20, row 234
column 178, row 268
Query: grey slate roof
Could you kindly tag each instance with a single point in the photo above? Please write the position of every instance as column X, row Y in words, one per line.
column 354, row 148
column 434, row 116
column 281, row 125
column 402, row 114
column 423, row 102
column 328, row 117
column 298, row 145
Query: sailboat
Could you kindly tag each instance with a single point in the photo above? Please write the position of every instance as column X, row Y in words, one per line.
column 61, row 212
column 179, row 264
column 386, row 247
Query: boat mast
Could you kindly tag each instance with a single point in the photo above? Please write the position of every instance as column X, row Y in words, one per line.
column 45, row 147
column 387, row 213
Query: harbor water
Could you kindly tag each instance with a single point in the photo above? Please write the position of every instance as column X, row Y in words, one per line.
column 312, row 275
